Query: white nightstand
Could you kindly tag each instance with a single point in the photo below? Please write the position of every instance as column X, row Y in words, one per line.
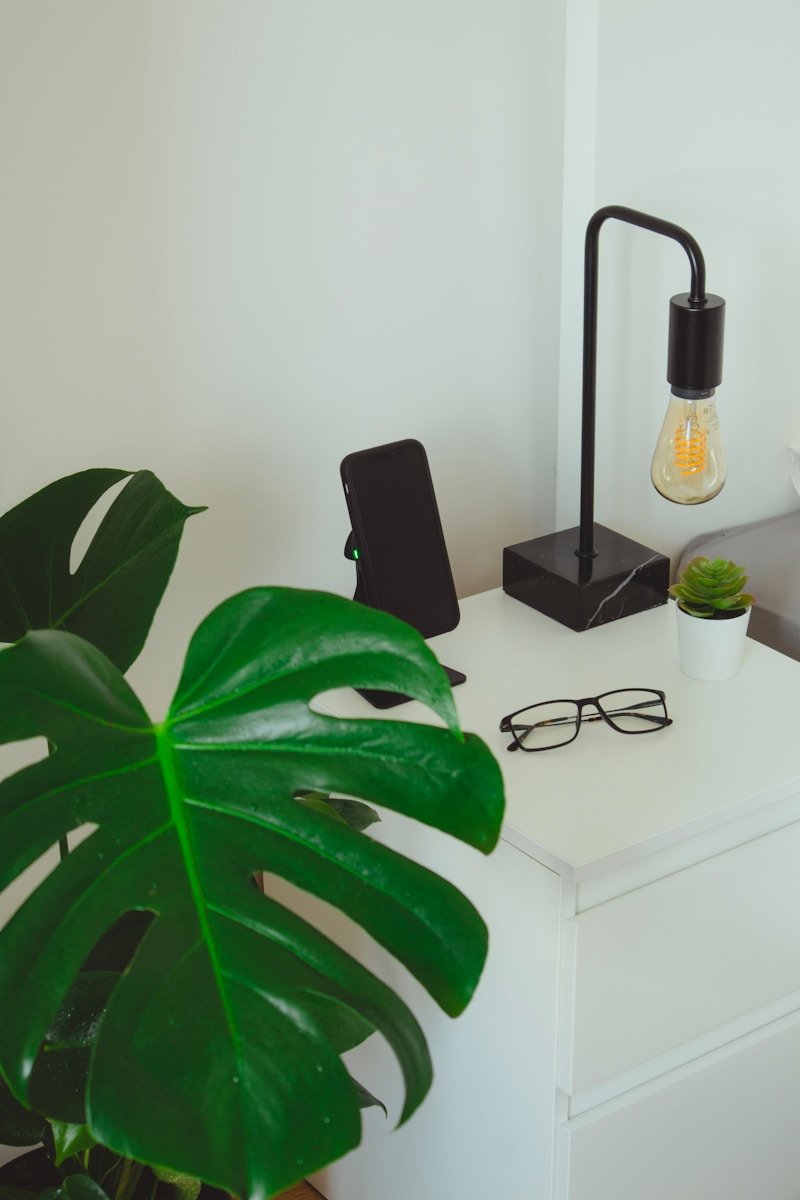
column 636, row 1034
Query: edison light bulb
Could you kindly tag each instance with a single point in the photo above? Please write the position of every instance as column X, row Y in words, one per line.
column 689, row 461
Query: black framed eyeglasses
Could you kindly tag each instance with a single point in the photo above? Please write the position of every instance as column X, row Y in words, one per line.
column 557, row 722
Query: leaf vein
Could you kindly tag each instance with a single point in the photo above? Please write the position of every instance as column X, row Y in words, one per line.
column 23, row 612
column 288, row 670
column 177, row 801
column 85, row 596
column 81, row 782
column 57, row 702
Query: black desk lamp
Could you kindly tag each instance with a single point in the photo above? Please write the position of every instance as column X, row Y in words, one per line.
column 590, row 575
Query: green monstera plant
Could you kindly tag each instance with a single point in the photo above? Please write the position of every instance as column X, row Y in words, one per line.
column 157, row 1007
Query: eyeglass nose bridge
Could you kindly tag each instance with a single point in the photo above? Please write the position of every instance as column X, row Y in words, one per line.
column 591, row 702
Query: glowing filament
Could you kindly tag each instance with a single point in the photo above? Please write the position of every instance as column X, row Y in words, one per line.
column 690, row 448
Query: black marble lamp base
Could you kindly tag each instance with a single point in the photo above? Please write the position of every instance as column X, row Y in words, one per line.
column 624, row 577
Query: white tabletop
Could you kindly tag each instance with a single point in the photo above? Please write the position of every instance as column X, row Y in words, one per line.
column 606, row 799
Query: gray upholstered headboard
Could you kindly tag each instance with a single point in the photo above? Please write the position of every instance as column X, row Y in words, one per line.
column 770, row 553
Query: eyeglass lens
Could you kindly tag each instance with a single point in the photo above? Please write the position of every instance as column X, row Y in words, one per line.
column 545, row 725
column 633, row 710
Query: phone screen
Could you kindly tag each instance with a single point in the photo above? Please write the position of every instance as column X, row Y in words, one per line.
column 398, row 535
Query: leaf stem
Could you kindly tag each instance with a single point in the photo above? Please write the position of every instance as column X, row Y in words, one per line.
column 128, row 1179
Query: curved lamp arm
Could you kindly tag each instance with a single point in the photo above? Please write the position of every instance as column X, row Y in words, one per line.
column 696, row 300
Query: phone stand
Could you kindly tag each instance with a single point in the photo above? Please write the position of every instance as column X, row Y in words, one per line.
column 381, row 699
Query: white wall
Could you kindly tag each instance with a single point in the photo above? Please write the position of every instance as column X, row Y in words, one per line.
column 240, row 239
column 688, row 111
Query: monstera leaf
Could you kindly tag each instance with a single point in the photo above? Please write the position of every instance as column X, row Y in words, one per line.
column 212, row 1056
column 114, row 593
column 18, row 1126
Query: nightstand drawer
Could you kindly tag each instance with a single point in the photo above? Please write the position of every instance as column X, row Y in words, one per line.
column 672, row 961
column 723, row 1129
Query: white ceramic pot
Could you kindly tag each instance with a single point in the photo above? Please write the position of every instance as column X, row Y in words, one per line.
column 711, row 650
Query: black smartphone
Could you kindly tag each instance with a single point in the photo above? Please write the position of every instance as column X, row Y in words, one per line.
column 397, row 541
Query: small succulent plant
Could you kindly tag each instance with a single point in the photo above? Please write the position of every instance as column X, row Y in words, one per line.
column 711, row 588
